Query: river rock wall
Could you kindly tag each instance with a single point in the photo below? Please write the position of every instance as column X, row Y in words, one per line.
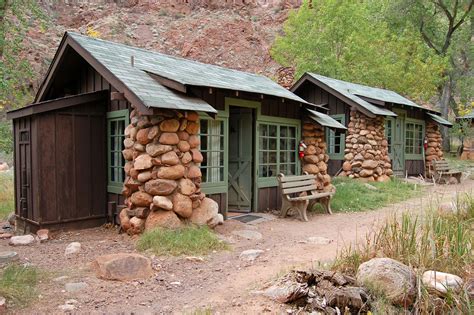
column 163, row 179
column 315, row 160
column 434, row 150
column 366, row 154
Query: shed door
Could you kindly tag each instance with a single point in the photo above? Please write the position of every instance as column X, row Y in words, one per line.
column 23, row 170
column 395, row 134
column 240, row 159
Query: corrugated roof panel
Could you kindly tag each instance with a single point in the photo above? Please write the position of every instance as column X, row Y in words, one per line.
column 325, row 120
column 440, row 120
column 117, row 57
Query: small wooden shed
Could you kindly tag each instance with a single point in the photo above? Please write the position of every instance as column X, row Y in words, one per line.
column 74, row 163
column 383, row 127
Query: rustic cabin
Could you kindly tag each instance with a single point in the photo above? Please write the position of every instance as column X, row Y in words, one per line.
column 121, row 133
column 468, row 141
column 387, row 133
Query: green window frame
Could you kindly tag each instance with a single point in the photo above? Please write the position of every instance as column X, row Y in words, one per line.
column 389, row 122
column 117, row 121
column 214, row 150
column 336, row 139
column 414, row 136
column 277, row 149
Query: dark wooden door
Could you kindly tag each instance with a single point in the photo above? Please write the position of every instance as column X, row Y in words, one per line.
column 23, row 171
column 240, row 159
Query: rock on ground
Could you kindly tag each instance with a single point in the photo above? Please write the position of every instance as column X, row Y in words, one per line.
column 3, row 305
column 440, row 282
column 122, row 266
column 72, row 248
column 248, row 234
column 43, row 235
column 396, row 280
column 75, row 286
column 207, row 213
column 8, row 257
column 250, row 254
column 22, row 240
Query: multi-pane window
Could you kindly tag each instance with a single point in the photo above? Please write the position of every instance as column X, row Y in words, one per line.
column 212, row 149
column 335, row 140
column 116, row 123
column 413, row 138
column 388, row 133
column 277, row 149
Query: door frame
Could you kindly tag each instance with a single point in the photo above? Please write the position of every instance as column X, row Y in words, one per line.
column 401, row 117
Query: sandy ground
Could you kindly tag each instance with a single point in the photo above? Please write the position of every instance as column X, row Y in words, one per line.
column 222, row 282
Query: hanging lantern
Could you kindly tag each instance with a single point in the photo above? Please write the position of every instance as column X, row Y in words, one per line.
column 301, row 147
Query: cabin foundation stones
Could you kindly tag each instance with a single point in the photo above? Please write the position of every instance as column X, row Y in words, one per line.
column 434, row 149
column 163, row 179
column 315, row 158
column 366, row 155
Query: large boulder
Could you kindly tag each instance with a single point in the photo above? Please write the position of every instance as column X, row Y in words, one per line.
column 394, row 279
column 164, row 219
column 207, row 213
column 122, row 267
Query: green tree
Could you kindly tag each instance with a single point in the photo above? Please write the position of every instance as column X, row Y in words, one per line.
column 446, row 27
column 16, row 17
column 350, row 40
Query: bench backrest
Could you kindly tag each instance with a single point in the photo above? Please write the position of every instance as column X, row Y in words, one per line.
column 297, row 184
column 441, row 165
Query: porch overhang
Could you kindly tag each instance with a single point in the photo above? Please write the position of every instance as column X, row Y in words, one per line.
column 325, row 120
column 440, row 120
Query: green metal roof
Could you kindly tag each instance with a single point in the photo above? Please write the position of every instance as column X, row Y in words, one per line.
column 353, row 91
column 325, row 120
column 117, row 59
column 440, row 120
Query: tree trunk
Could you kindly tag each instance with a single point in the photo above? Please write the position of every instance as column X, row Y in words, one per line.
column 443, row 104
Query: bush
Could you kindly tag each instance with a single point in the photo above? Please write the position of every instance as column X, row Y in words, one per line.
column 6, row 137
column 186, row 241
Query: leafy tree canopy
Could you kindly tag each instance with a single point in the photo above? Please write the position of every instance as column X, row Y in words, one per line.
column 352, row 40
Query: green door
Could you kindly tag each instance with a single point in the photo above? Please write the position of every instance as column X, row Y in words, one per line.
column 240, row 159
column 395, row 131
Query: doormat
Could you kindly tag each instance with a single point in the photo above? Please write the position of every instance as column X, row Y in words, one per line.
column 246, row 218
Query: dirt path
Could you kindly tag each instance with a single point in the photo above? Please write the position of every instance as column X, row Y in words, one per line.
column 222, row 283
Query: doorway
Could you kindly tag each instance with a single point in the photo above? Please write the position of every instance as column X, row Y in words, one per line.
column 395, row 131
column 240, row 179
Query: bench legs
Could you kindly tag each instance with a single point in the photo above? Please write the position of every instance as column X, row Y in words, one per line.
column 301, row 206
column 325, row 202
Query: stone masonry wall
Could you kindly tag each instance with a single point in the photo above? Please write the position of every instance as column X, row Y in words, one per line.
column 315, row 159
column 366, row 154
column 163, row 178
column 434, row 151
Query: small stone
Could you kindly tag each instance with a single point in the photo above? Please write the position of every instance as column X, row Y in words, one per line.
column 153, row 132
column 67, row 307
column 162, row 187
column 137, row 225
column 370, row 164
column 11, row 218
column 3, row 305
column 171, row 172
column 142, row 162
column 319, row 240
column 8, row 257
column 194, row 141
column 182, row 205
column 142, row 136
column 43, row 235
column 144, row 176
column 192, row 128
column 75, row 286
column 169, row 125
column 194, row 172
column 21, row 240
column 183, row 146
column 122, row 267
column 187, row 157
column 197, row 156
column 141, row 199
column 440, row 282
column 162, row 203
column 187, row 187
column 250, row 254
column 4, row 236
column 371, row 187
column 154, row 149
column 169, row 158
column 169, row 138
column 248, row 234
column 128, row 143
column 72, row 248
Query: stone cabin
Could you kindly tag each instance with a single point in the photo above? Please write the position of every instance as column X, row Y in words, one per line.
column 386, row 132
column 121, row 133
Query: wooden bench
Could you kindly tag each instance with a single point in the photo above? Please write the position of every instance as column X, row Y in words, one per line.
column 442, row 172
column 299, row 191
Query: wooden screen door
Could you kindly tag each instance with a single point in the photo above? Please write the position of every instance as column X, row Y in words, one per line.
column 397, row 131
column 240, row 159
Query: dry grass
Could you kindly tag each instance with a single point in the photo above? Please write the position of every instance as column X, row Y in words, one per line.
column 435, row 241
column 18, row 285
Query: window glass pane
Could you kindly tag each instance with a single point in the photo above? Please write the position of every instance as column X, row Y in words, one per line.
column 283, row 131
column 292, row 132
column 272, row 130
column 212, row 149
